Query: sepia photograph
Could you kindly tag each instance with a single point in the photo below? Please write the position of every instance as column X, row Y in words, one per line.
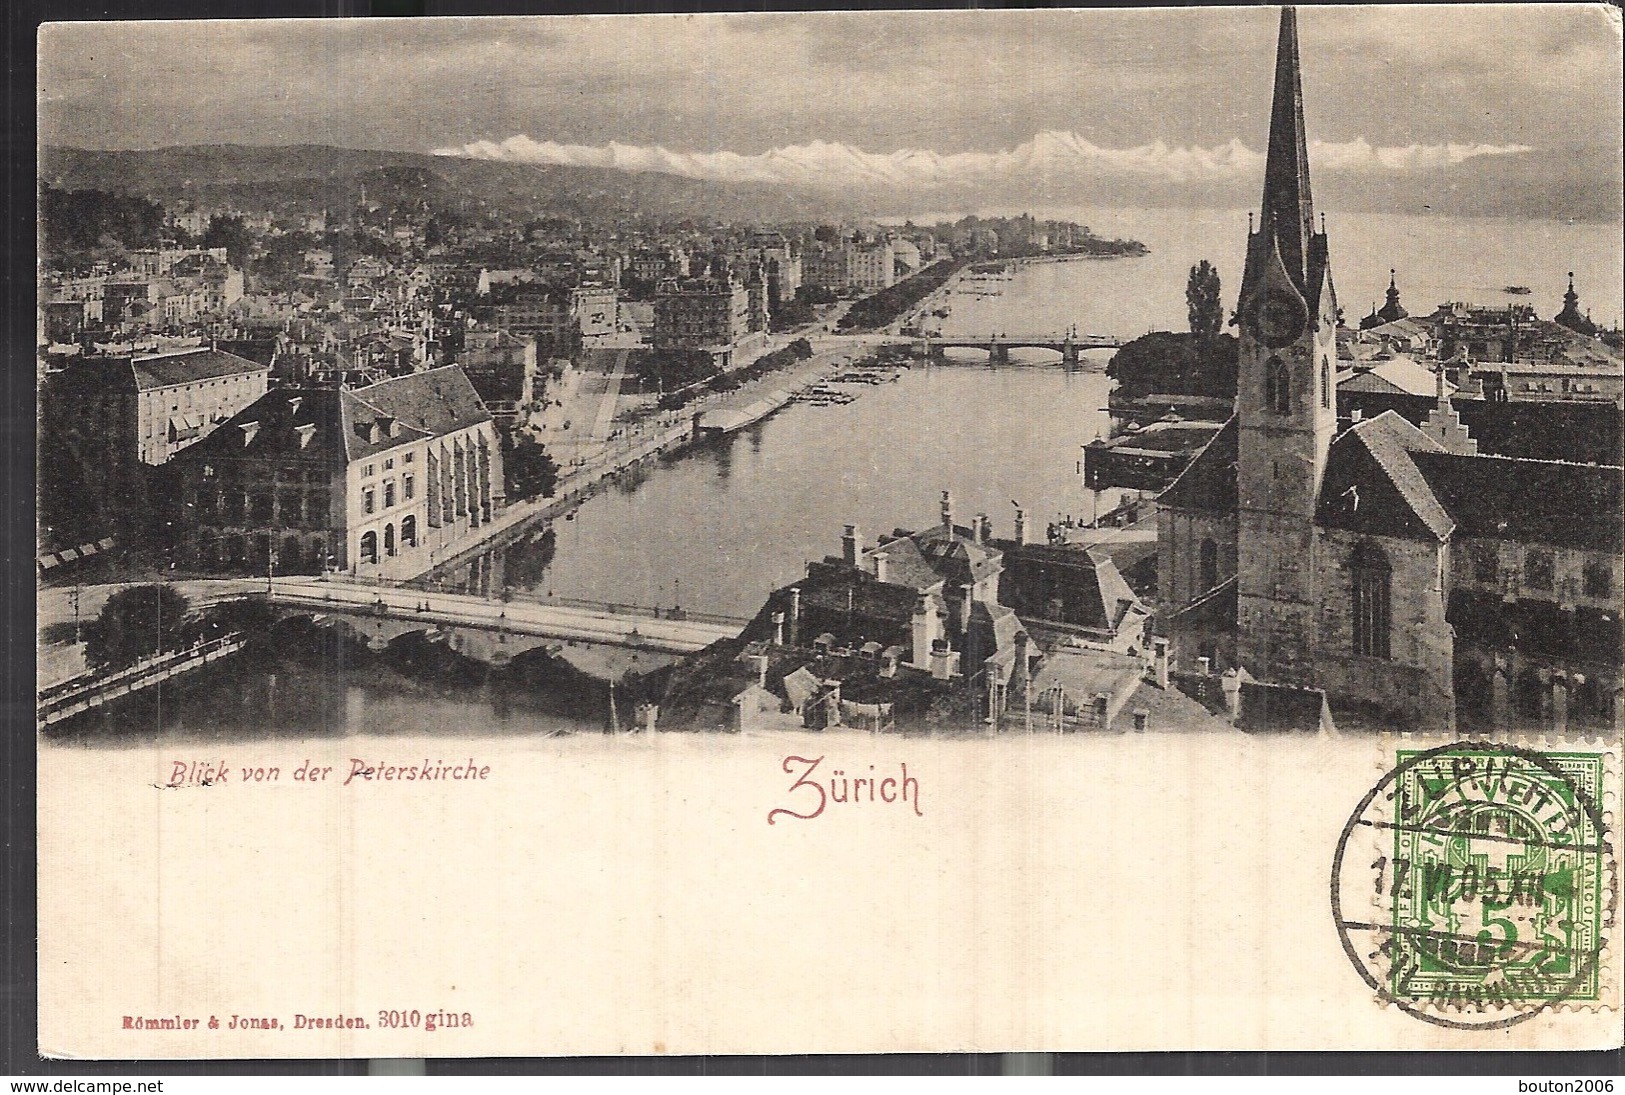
column 831, row 532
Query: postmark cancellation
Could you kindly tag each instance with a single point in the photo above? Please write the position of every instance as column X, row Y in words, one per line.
column 1476, row 885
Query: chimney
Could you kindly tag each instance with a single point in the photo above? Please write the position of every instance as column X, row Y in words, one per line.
column 984, row 528
column 778, row 629
column 849, row 545
column 947, row 511
column 1021, row 525
column 1021, row 659
column 795, row 615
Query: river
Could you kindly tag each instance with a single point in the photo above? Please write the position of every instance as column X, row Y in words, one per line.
column 717, row 529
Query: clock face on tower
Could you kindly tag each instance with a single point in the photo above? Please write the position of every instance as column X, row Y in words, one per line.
column 1278, row 319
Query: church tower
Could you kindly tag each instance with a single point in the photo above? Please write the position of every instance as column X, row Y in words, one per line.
column 1285, row 397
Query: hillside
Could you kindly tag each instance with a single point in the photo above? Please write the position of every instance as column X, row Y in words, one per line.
column 315, row 176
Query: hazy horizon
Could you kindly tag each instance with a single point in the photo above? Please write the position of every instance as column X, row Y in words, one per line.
column 1079, row 106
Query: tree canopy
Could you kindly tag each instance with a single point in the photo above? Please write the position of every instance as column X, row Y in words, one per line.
column 75, row 222
column 530, row 471
column 1176, row 363
column 136, row 623
column 1202, row 301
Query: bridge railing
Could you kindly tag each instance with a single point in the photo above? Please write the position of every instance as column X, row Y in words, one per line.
column 616, row 608
column 86, row 683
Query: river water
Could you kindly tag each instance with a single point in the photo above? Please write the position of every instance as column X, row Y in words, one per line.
column 717, row 529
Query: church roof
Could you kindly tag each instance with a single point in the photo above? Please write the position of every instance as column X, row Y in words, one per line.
column 1532, row 501
column 1372, row 485
column 1384, row 477
column 1208, row 481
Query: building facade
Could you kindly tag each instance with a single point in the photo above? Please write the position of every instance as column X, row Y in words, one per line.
column 701, row 314
column 386, row 479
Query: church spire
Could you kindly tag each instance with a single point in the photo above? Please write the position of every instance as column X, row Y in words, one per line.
column 1570, row 316
column 1288, row 209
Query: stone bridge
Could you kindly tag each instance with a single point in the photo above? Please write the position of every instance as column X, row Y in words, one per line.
column 1069, row 345
column 498, row 628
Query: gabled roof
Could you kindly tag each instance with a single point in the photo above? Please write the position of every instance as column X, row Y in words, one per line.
column 955, row 553
column 1208, row 482
column 1396, row 375
column 1372, row 485
column 429, row 404
column 290, row 424
column 336, row 425
column 907, row 566
column 1383, row 476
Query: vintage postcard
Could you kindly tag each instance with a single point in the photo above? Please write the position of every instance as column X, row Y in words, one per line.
column 841, row 532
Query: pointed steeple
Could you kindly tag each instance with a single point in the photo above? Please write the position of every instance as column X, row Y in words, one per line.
column 1288, row 209
column 1393, row 310
column 1570, row 316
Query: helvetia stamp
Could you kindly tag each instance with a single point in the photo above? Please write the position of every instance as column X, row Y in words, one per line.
column 1473, row 887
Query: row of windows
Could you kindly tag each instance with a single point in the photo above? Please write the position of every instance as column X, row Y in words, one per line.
column 369, row 470
column 288, row 474
column 262, row 507
column 369, row 496
column 1540, row 571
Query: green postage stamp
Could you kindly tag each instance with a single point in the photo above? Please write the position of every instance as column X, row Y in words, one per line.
column 1491, row 887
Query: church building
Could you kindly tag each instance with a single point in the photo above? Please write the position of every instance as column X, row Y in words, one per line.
column 1412, row 581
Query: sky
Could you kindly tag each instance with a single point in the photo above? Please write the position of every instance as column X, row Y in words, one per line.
column 903, row 99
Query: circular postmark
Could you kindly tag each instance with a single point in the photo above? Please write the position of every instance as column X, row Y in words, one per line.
column 1471, row 887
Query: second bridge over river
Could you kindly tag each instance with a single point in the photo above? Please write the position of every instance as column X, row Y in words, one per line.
column 385, row 612
column 1069, row 345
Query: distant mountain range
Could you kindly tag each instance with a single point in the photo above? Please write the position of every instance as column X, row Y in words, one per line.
column 823, row 181
column 255, row 177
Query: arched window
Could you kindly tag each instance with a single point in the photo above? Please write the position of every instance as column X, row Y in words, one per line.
column 1277, row 387
column 369, row 547
column 1372, row 576
column 409, row 531
column 1209, row 565
column 1325, row 382
column 389, row 539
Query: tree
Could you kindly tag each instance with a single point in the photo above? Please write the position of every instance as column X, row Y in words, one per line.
column 75, row 222
column 1202, row 301
column 136, row 623
column 231, row 233
column 1175, row 363
column 529, row 470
